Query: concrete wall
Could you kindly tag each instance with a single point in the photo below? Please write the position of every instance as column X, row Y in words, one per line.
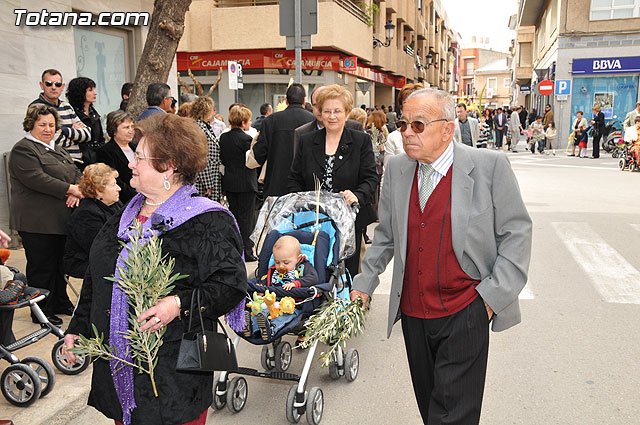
column 502, row 95
column 27, row 51
column 577, row 21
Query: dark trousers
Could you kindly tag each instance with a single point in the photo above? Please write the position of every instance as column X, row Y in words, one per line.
column 448, row 364
column 353, row 263
column 45, row 269
column 6, row 323
column 242, row 205
column 596, row 146
column 499, row 136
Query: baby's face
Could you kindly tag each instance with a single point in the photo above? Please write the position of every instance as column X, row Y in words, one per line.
column 285, row 259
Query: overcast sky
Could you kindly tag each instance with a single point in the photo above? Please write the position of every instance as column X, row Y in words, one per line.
column 482, row 18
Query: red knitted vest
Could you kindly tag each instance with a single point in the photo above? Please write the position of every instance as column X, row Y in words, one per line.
column 434, row 284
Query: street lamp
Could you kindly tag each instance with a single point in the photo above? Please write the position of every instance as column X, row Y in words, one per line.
column 389, row 32
column 429, row 59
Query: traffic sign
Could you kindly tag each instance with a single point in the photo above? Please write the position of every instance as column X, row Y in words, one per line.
column 232, row 67
column 545, row 87
column 563, row 87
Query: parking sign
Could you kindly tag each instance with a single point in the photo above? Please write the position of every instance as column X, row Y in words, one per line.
column 563, row 87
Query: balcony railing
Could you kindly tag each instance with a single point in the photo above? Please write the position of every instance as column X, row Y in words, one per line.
column 243, row 3
column 353, row 7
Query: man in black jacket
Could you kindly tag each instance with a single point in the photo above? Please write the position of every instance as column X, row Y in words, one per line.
column 265, row 110
column 275, row 143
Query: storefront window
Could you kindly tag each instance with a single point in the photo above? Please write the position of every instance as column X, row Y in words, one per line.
column 617, row 95
column 102, row 56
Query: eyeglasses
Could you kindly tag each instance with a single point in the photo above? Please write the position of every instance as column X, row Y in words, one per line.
column 137, row 157
column 329, row 112
column 51, row 83
column 416, row 126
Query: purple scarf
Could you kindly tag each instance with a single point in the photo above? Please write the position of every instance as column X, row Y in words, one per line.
column 176, row 210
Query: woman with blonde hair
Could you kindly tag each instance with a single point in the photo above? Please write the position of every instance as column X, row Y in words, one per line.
column 359, row 114
column 209, row 180
column 598, row 128
column 341, row 158
column 239, row 183
column 101, row 200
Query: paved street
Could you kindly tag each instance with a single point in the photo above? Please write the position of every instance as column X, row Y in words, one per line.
column 573, row 360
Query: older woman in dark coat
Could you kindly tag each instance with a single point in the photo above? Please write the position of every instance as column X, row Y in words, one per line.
column 43, row 191
column 202, row 237
column 341, row 158
column 101, row 201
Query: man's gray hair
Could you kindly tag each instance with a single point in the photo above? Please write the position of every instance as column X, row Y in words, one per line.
column 445, row 101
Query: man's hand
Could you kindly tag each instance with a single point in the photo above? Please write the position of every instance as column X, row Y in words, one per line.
column 349, row 196
column 489, row 311
column 355, row 294
column 4, row 239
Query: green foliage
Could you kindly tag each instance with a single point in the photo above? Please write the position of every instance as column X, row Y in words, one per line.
column 146, row 279
column 369, row 11
column 334, row 324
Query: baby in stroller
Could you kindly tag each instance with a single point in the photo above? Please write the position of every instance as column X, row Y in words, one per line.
column 291, row 269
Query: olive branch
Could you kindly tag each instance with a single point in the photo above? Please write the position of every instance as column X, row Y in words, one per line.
column 334, row 324
column 146, row 278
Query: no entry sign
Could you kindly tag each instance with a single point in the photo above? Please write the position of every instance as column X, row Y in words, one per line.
column 545, row 87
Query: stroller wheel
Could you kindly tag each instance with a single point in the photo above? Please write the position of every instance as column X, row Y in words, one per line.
column 614, row 154
column 44, row 371
column 622, row 164
column 293, row 416
column 267, row 363
column 237, row 394
column 61, row 363
column 351, row 364
column 219, row 401
column 20, row 385
column 334, row 373
column 315, row 406
column 283, row 356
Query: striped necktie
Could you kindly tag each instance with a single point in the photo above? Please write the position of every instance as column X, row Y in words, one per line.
column 426, row 188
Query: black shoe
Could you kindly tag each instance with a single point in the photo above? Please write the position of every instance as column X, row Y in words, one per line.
column 250, row 258
column 54, row 320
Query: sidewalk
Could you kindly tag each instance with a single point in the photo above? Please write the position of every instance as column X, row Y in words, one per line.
column 69, row 396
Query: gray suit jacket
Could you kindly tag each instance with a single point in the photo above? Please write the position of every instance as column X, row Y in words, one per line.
column 474, row 126
column 491, row 231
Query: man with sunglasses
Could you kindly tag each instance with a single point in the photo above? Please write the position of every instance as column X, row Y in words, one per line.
column 72, row 131
column 453, row 220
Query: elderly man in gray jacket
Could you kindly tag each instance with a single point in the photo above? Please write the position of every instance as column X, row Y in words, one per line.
column 515, row 128
column 454, row 221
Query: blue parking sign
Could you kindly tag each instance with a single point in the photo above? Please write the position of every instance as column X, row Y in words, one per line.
column 563, row 87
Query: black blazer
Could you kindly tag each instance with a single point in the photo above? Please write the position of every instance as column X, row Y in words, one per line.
column 112, row 155
column 275, row 145
column 598, row 127
column 83, row 226
column 237, row 177
column 354, row 168
column 504, row 122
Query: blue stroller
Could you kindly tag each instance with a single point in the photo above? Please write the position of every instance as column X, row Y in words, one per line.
column 325, row 228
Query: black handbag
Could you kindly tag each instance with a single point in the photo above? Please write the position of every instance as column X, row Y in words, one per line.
column 205, row 350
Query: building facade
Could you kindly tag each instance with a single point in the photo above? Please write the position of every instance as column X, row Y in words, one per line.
column 591, row 46
column 107, row 54
column 494, row 83
column 422, row 49
column 474, row 56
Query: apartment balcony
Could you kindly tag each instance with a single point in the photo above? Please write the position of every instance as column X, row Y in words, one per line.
column 529, row 11
column 523, row 74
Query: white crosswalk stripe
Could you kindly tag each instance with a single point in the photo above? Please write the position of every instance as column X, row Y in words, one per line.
column 635, row 226
column 613, row 276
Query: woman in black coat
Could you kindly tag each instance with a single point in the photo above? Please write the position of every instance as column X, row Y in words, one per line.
column 101, row 194
column 202, row 238
column 341, row 158
column 239, row 183
column 119, row 151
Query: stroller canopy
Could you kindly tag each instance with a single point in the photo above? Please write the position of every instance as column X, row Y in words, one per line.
column 298, row 211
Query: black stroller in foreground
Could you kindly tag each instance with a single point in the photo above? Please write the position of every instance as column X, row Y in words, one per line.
column 325, row 231
column 26, row 380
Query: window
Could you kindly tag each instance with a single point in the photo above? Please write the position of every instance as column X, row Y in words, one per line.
column 541, row 34
column 506, row 83
column 553, row 16
column 469, row 67
column 469, row 89
column 614, row 9
column 492, row 84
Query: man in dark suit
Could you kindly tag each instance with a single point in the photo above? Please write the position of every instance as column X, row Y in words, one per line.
column 317, row 123
column 500, row 121
column 275, row 143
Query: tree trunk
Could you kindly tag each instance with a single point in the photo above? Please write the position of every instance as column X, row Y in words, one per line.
column 167, row 27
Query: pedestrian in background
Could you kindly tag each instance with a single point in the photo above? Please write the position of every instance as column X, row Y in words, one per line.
column 515, row 128
column 265, row 110
column 81, row 94
column 500, row 123
column 629, row 120
column 551, row 134
column 458, row 265
column 548, row 116
column 598, row 128
column 579, row 130
column 209, row 180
